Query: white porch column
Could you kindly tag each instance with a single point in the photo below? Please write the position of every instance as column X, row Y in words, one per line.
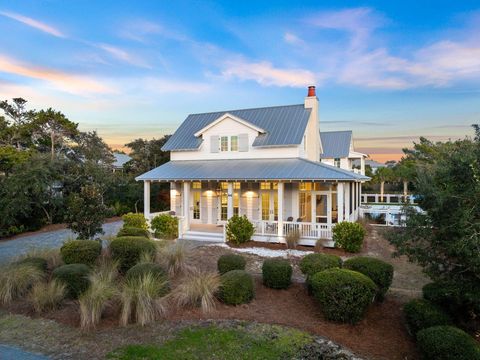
column 340, row 200
column 295, row 202
column 173, row 196
column 362, row 165
column 229, row 200
column 146, row 199
column 186, row 205
column 280, row 190
column 347, row 202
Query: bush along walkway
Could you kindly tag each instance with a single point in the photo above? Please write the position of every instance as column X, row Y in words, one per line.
column 58, row 341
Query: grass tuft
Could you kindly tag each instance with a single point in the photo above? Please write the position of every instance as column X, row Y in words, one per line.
column 47, row 296
column 198, row 289
column 175, row 258
column 16, row 281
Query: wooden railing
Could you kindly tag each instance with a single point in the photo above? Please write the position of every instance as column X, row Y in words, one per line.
column 306, row 230
column 387, row 198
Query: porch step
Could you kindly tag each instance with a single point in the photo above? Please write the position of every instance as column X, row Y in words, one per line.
column 203, row 236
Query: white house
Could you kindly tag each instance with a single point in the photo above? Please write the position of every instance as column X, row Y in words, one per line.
column 338, row 150
column 263, row 163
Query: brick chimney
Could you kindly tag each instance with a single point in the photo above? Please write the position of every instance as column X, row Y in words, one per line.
column 311, row 91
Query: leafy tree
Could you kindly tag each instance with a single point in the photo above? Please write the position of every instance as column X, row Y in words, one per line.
column 16, row 132
column 10, row 157
column 404, row 172
column 383, row 175
column 91, row 147
column 148, row 154
column 86, row 212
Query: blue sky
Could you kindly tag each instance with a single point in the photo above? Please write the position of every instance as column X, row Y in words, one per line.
column 390, row 71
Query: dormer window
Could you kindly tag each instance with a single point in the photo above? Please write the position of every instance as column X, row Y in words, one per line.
column 336, row 162
column 223, row 143
column 234, row 143
column 228, row 143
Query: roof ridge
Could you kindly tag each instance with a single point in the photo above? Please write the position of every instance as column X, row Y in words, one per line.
column 255, row 108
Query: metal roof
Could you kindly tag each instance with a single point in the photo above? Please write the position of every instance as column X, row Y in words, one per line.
column 284, row 125
column 335, row 144
column 120, row 159
column 249, row 169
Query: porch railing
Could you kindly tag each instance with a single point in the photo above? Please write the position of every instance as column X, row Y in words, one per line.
column 387, row 198
column 306, row 230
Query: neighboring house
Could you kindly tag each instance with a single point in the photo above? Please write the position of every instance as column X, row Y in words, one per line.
column 374, row 165
column 338, row 150
column 120, row 161
column 262, row 163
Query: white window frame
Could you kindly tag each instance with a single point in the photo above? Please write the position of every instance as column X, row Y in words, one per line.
column 231, row 143
column 220, row 143
column 228, row 144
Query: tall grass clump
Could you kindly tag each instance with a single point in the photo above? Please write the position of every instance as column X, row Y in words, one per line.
column 47, row 296
column 16, row 281
column 292, row 239
column 198, row 289
column 175, row 258
column 141, row 300
column 51, row 255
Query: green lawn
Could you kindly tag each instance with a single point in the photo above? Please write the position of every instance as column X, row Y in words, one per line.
column 216, row 343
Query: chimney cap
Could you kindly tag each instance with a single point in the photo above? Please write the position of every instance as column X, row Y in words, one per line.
column 311, row 91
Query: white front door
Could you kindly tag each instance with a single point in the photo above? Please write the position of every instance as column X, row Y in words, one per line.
column 269, row 205
column 195, row 209
column 322, row 207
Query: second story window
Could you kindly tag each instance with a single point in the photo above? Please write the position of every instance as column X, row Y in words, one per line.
column 336, row 162
column 224, row 143
column 228, row 143
column 234, row 143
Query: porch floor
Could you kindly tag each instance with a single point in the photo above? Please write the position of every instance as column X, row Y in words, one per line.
column 208, row 228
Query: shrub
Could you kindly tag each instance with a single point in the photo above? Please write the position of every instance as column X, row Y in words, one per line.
column 379, row 271
column 133, row 231
column 344, row 295
column 175, row 258
column 51, row 255
column 16, row 280
column 239, row 229
column 165, row 226
column 142, row 269
column 277, row 273
column 421, row 314
column 75, row 278
column 128, row 250
column 292, row 239
column 135, row 220
column 237, row 287
column 47, row 296
column 38, row 262
column 140, row 300
column 230, row 262
column 198, row 289
column 447, row 343
column 313, row 263
column 81, row 251
column 348, row 236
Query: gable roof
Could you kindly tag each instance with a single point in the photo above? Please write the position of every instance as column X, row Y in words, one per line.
column 335, row 144
column 297, row 169
column 283, row 125
column 229, row 116
column 120, row 160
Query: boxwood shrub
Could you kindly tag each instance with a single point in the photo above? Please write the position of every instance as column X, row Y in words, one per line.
column 348, row 236
column 313, row 263
column 344, row 295
column 239, row 229
column 277, row 273
column 135, row 220
column 237, row 287
column 165, row 226
column 230, row 262
column 421, row 314
column 128, row 250
column 38, row 262
column 379, row 271
column 142, row 269
column 75, row 278
column 133, row 231
column 447, row 343
column 81, row 251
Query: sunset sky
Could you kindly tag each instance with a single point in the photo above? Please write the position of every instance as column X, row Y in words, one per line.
column 390, row 71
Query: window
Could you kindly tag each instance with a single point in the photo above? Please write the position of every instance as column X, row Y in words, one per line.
column 336, row 162
column 268, row 186
column 196, row 205
column 196, row 185
column 236, row 203
column 234, row 143
column 224, row 143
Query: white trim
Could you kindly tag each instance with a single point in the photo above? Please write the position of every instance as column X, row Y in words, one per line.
column 229, row 116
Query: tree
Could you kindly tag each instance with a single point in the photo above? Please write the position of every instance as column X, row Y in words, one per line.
column 86, row 212
column 404, row 171
column 17, row 131
column 10, row 157
column 148, row 154
column 91, row 147
column 382, row 175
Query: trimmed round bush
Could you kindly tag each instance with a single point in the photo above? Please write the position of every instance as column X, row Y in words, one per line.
column 277, row 273
column 348, row 236
column 421, row 314
column 344, row 295
column 230, row 262
column 128, row 250
column 239, row 229
column 379, row 271
column 237, row 287
column 142, row 269
column 81, row 251
column 313, row 263
column 135, row 220
column 37, row 262
column 165, row 226
column 133, row 231
column 75, row 277
column 447, row 343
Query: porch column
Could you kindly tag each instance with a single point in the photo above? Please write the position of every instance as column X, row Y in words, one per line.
column 281, row 186
column 173, row 196
column 340, row 200
column 229, row 200
column 186, row 204
column 347, row 201
column 146, row 199
column 362, row 165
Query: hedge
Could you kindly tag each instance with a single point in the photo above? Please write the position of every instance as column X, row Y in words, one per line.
column 165, row 226
column 348, row 236
column 81, row 251
column 128, row 250
column 447, row 343
column 421, row 314
column 277, row 273
column 133, row 231
column 237, row 287
column 344, row 295
column 230, row 262
column 379, row 271
column 135, row 220
column 75, row 277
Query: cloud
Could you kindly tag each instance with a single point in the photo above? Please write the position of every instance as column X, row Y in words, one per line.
column 159, row 85
column 140, row 30
column 34, row 23
column 71, row 83
column 292, row 39
column 123, row 55
column 266, row 74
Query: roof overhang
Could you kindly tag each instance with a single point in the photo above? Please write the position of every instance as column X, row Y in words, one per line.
column 229, row 116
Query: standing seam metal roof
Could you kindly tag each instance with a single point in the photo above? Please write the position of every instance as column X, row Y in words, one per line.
column 284, row 126
column 249, row 169
column 335, row 144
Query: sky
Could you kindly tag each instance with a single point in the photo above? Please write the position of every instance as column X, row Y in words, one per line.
column 391, row 71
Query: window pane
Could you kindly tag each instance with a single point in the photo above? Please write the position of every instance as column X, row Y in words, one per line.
column 196, row 185
column 236, row 186
column 224, row 143
column 196, row 205
column 234, row 143
column 265, row 206
column 265, row 186
column 236, row 203
column 224, row 186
